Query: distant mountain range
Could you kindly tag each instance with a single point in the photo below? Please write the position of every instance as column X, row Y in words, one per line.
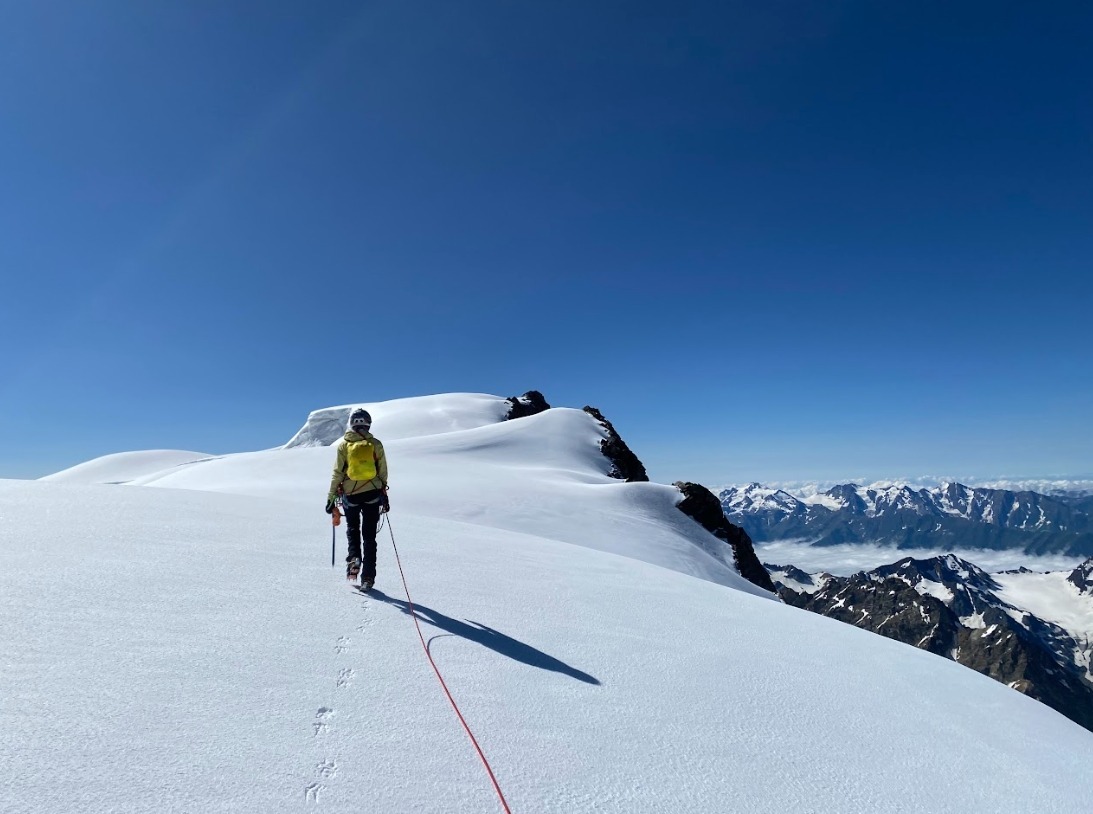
column 948, row 516
column 1033, row 632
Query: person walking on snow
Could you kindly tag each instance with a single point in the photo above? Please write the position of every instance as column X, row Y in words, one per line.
column 360, row 478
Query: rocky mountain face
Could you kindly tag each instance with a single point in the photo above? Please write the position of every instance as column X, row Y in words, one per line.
column 1082, row 578
column 698, row 503
column 953, row 608
column 701, row 505
column 531, row 403
column 948, row 516
column 625, row 465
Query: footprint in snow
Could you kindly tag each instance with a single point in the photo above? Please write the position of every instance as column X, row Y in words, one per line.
column 322, row 720
column 342, row 645
column 366, row 622
column 346, row 676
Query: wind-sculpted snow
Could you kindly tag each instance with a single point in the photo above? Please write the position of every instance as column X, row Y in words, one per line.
column 405, row 418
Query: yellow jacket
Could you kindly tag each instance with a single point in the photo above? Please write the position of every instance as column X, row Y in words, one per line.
column 341, row 467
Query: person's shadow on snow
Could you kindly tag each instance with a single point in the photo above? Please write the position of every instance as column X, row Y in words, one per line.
column 488, row 637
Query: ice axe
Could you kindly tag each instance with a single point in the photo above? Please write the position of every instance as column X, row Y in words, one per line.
column 335, row 521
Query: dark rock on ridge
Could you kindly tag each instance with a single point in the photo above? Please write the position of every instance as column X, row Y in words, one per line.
column 531, row 403
column 625, row 465
column 698, row 502
column 797, row 575
column 1082, row 577
column 701, row 505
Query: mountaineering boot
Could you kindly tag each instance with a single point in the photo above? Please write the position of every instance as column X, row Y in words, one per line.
column 352, row 568
column 366, row 585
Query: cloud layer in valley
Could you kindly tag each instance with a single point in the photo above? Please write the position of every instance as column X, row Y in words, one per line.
column 843, row 560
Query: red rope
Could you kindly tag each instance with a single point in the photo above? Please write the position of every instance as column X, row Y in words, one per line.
column 447, row 692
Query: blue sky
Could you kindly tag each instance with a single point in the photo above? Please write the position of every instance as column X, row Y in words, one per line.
column 773, row 241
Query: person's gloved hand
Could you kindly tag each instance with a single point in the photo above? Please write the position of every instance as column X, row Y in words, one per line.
column 385, row 503
column 330, row 506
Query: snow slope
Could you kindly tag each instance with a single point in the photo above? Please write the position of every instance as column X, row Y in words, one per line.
column 1052, row 598
column 125, row 467
column 182, row 649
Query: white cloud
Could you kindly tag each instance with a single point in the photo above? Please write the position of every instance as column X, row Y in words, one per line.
column 843, row 560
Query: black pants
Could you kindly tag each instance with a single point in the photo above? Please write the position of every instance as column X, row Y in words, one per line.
column 361, row 521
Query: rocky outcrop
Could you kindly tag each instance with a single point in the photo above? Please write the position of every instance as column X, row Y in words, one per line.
column 950, row 607
column 790, row 576
column 531, row 403
column 1082, row 577
column 701, row 505
column 625, row 465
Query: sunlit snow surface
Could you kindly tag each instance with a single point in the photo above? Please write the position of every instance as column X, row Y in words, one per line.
column 1054, row 599
column 125, row 467
column 177, row 650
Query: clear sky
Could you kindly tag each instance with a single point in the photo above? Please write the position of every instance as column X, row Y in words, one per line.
column 778, row 240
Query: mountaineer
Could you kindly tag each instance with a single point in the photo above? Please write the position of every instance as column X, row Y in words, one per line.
column 360, row 484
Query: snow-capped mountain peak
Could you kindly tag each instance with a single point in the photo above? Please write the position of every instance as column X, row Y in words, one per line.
column 961, row 585
column 755, row 497
column 947, row 516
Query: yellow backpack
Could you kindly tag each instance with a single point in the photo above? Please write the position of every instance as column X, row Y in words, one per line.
column 360, row 458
